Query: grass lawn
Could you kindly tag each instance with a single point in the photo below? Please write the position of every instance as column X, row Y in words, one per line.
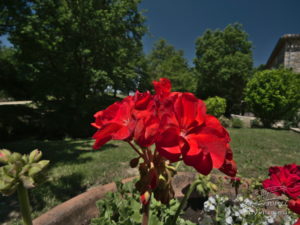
column 75, row 167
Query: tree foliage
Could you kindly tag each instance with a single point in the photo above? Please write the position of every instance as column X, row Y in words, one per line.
column 273, row 95
column 223, row 64
column 216, row 106
column 12, row 82
column 165, row 61
column 73, row 50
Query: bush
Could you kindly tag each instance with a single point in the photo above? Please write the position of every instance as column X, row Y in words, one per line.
column 18, row 121
column 273, row 95
column 216, row 106
column 255, row 123
column 225, row 121
column 237, row 123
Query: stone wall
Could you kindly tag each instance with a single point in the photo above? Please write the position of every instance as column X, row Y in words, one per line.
column 292, row 55
column 286, row 53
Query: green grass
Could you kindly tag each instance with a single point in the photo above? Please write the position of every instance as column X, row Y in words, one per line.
column 75, row 167
column 255, row 150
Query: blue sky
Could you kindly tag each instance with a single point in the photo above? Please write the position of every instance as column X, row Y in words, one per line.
column 180, row 22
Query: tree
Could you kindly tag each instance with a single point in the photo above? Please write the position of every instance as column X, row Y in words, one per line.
column 273, row 95
column 165, row 61
column 72, row 50
column 12, row 82
column 223, row 64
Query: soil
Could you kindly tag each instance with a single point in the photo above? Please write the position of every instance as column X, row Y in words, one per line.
column 193, row 211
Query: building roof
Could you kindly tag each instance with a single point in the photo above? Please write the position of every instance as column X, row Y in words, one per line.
column 279, row 45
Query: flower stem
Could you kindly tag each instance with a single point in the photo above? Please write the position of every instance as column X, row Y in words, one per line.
column 177, row 165
column 24, row 204
column 146, row 210
column 135, row 149
column 184, row 200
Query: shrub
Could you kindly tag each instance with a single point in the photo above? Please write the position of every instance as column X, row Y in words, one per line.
column 237, row 123
column 225, row 121
column 216, row 106
column 273, row 95
column 255, row 123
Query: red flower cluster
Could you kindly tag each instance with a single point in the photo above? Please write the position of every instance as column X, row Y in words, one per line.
column 294, row 205
column 175, row 122
column 284, row 180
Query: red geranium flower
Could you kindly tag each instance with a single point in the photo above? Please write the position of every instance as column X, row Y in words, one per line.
column 297, row 222
column 294, row 205
column 162, row 87
column 175, row 122
column 229, row 165
column 284, row 180
column 115, row 122
column 188, row 133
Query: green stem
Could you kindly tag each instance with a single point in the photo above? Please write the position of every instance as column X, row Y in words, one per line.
column 177, row 165
column 24, row 204
column 146, row 212
column 135, row 149
column 184, row 200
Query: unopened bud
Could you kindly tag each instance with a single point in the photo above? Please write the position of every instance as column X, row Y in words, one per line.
column 145, row 198
column 14, row 157
column 35, row 156
column 134, row 162
column 43, row 163
column 34, row 170
column 4, row 155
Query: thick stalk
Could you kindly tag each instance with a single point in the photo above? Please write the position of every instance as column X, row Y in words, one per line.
column 184, row 200
column 177, row 165
column 146, row 210
column 135, row 149
column 24, row 204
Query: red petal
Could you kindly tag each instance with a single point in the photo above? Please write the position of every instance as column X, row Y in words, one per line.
column 192, row 153
column 214, row 127
column 229, row 168
column 142, row 100
column 204, row 165
column 104, row 134
column 168, row 138
column 215, row 146
column 163, row 86
column 297, row 222
column 122, row 133
column 294, row 205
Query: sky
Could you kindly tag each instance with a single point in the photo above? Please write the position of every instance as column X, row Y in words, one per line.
column 180, row 22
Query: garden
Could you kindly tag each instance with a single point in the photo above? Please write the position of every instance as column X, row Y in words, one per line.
column 74, row 167
column 112, row 135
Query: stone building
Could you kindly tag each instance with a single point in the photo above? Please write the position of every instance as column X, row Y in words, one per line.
column 286, row 53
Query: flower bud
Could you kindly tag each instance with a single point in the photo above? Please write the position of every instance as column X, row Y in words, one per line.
column 34, row 170
column 134, row 162
column 14, row 157
column 145, row 198
column 4, row 155
column 43, row 163
column 35, row 156
column 28, row 182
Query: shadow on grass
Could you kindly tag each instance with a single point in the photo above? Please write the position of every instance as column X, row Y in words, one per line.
column 66, row 152
column 56, row 191
column 52, row 191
